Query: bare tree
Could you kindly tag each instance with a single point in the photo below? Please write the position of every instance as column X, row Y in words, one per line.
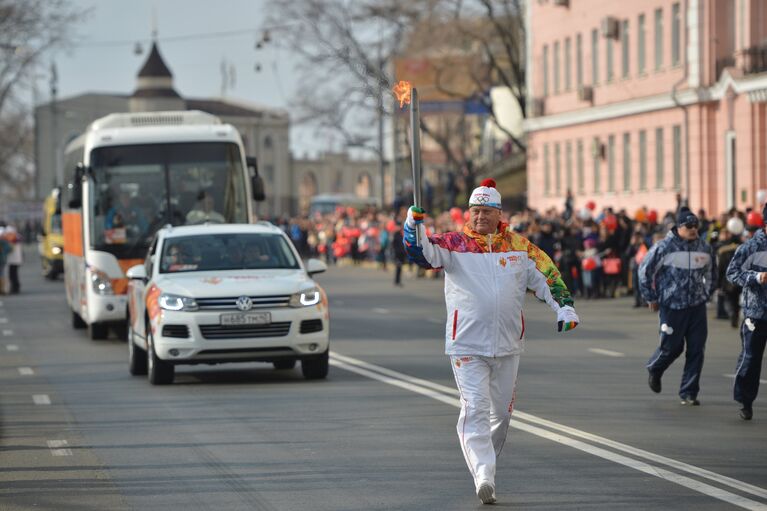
column 29, row 30
column 347, row 49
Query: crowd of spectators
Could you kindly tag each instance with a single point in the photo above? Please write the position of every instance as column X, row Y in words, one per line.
column 598, row 250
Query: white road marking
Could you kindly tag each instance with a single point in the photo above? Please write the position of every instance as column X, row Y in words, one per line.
column 58, row 448
column 600, row 351
column 732, row 376
column 3, row 320
column 41, row 399
column 379, row 310
column 449, row 395
column 12, row 347
column 26, row 371
column 7, row 332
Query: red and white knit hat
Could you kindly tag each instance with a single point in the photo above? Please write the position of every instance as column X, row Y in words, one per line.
column 486, row 195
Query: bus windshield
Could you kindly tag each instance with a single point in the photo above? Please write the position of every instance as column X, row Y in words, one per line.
column 139, row 188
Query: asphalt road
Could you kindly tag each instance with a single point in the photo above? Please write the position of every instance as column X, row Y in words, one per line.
column 77, row 432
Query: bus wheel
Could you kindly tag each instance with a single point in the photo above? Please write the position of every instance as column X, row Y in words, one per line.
column 77, row 321
column 98, row 331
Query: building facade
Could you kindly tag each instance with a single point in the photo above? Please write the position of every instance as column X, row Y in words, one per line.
column 635, row 103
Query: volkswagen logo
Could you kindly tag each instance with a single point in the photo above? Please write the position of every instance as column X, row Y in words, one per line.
column 244, row 303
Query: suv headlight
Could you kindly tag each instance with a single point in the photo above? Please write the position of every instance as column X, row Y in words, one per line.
column 305, row 298
column 171, row 302
column 101, row 283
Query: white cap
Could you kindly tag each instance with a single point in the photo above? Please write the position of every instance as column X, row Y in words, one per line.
column 486, row 195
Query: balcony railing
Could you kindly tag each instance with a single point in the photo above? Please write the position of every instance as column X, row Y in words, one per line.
column 751, row 60
column 755, row 59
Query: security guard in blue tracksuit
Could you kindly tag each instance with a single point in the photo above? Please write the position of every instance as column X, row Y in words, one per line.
column 677, row 277
column 748, row 269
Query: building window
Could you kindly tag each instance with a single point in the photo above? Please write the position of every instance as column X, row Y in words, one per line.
column 594, row 57
column 659, row 158
column 568, row 59
column 579, row 61
column 627, row 162
column 609, row 71
column 640, row 45
column 569, row 166
column 555, row 71
column 545, row 70
column 625, row 49
column 581, row 170
column 557, row 169
column 546, row 170
column 268, row 142
column 675, row 34
column 677, row 157
column 611, row 163
column 643, row 160
column 596, row 152
column 658, row 39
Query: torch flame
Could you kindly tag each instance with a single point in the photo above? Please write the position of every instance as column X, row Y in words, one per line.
column 402, row 91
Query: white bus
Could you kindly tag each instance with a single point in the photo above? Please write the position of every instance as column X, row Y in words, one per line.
column 130, row 174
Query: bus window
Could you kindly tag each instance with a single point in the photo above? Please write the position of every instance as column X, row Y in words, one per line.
column 139, row 188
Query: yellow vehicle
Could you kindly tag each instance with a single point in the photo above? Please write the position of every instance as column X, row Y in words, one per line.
column 51, row 242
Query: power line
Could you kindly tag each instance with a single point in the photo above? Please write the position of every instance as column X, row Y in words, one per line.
column 200, row 35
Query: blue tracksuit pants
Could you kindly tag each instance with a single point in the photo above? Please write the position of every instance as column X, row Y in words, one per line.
column 753, row 334
column 678, row 326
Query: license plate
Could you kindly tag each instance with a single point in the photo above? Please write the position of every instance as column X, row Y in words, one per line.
column 247, row 318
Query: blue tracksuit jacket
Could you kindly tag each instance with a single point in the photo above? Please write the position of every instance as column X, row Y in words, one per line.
column 678, row 274
column 751, row 258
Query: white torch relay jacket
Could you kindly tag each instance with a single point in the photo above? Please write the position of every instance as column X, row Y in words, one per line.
column 486, row 278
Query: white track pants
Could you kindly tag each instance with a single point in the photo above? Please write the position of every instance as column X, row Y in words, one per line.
column 487, row 393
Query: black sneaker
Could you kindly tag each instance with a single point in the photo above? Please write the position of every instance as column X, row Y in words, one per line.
column 690, row 401
column 746, row 413
column 654, row 383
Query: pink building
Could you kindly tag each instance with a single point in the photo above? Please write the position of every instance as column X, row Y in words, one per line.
column 634, row 102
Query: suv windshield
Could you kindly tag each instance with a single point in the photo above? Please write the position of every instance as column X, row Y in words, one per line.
column 210, row 252
column 139, row 188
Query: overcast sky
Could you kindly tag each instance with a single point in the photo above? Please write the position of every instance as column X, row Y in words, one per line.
column 103, row 58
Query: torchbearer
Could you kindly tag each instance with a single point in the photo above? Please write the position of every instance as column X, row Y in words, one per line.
column 488, row 269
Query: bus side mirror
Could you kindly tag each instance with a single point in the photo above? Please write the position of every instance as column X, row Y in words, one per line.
column 76, row 188
column 257, row 186
column 256, row 182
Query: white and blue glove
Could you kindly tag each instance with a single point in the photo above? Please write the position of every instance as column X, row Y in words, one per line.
column 567, row 319
column 415, row 216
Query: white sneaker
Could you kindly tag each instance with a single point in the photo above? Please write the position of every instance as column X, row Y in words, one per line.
column 486, row 493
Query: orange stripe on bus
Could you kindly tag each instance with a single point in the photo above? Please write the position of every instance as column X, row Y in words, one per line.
column 120, row 286
column 72, row 225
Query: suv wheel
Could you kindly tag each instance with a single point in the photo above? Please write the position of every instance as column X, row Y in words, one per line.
column 160, row 372
column 316, row 368
column 137, row 359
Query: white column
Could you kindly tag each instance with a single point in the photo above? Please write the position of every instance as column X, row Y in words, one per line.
column 694, row 37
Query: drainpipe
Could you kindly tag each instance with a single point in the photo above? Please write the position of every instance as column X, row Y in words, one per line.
column 676, row 101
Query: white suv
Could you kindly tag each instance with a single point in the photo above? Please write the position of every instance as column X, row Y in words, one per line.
column 225, row 293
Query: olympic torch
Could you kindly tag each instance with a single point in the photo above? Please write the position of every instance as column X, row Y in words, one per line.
column 408, row 95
